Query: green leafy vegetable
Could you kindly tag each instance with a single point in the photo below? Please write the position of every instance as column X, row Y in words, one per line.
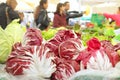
column 109, row 32
column 14, row 31
column 76, row 28
column 51, row 32
column 8, row 37
column 5, row 46
column 117, row 37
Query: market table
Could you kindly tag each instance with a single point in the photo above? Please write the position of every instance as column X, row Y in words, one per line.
column 113, row 74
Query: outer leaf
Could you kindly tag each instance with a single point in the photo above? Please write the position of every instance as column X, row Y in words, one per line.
column 70, row 49
column 5, row 46
column 64, row 69
column 40, row 68
column 100, row 62
column 32, row 37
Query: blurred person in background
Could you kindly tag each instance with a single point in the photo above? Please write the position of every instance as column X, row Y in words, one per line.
column 8, row 13
column 71, row 14
column 59, row 16
column 41, row 17
column 115, row 17
column 118, row 11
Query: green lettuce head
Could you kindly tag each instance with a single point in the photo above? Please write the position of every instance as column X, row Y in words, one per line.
column 8, row 37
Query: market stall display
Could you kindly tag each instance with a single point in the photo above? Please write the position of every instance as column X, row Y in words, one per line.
column 63, row 55
column 66, row 53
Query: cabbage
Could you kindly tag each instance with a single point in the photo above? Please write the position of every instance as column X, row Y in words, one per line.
column 5, row 46
column 12, row 34
column 14, row 31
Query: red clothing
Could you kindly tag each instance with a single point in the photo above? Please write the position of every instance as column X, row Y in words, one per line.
column 59, row 20
column 115, row 17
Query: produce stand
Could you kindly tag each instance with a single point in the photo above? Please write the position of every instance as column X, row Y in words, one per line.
column 91, row 52
column 112, row 74
column 77, row 34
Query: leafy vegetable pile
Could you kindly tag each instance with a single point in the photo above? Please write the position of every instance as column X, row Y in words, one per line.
column 102, row 33
column 56, row 54
column 31, row 58
column 39, row 59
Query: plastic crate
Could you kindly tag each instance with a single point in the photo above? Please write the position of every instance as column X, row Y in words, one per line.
column 97, row 19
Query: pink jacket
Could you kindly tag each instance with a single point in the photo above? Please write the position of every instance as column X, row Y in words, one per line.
column 115, row 17
column 59, row 20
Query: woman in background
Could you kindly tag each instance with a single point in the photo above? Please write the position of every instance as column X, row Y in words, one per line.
column 114, row 17
column 41, row 16
column 60, row 16
column 7, row 13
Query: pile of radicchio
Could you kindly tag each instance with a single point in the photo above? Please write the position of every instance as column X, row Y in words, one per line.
column 45, row 60
column 31, row 58
column 66, row 45
column 60, row 57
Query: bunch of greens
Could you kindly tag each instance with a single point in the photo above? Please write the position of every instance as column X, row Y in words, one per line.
column 48, row 34
column 102, row 33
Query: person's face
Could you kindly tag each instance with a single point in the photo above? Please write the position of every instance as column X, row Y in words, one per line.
column 46, row 5
column 62, row 8
column 67, row 6
column 13, row 4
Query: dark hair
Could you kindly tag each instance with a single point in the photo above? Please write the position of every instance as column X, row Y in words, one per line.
column 66, row 3
column 39, row 7
column 59, row 5
column 42, row 2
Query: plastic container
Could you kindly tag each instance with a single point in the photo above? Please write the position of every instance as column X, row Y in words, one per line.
column 97, row 19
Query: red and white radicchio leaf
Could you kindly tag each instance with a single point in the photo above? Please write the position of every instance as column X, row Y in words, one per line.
column 29, row 59
column 110, row 50
column 97, row 60
column 94, row 57
column 70, row 49
column 100, row 62
column 117, row 47
column 33, row 37
column 64, row 70
column 41, row 67
column 84, row 56
column 18, row 59
column 61, row 36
